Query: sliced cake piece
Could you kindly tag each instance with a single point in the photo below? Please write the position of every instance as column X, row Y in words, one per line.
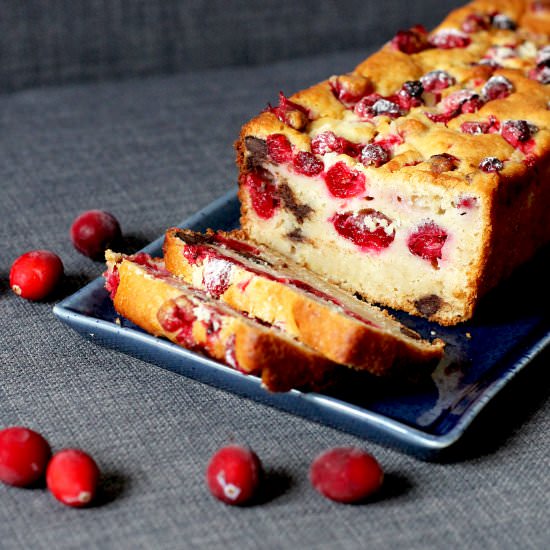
column 144, row 292
column 266, row 286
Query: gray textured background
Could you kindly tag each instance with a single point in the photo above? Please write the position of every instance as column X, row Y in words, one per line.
column 152, row 151
column 52, row 41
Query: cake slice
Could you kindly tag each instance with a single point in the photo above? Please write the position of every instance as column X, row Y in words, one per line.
column 144, row 292
column 420, row 179
column 265, row 285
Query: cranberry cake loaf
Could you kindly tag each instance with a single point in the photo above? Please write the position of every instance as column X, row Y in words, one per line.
column 144, row 292
column 418, row 180
column 266, row 286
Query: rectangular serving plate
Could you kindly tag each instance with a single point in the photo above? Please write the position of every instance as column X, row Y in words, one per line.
column 482, row 356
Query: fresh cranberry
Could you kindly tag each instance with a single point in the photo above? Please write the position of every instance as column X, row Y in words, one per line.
column 412, row 41
column 343, row 182
column 24, row 455
column 279, row 148
column 308, row 164
column 437, row 80
column 94, row 231
column 327, row 142
column 234, row 474
column 475, row 22
column 503, row 22
column 450, row 38
column 491, row 164
column 35, row 274
column 217, row 276
column 346, row 474
column 286, row 110
column 427, row 241
column 517, row 131
column 263, row 194
column 374, row 155
column 72, row 477
column 497, row 87
column 367, row 228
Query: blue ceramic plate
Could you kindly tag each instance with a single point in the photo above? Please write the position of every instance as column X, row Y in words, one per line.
column 509, row 329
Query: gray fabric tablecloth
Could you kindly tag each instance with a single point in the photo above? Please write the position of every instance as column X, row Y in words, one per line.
column 59, row 41
column 153, row 151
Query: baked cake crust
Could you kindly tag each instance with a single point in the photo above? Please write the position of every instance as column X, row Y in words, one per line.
column 466, row 156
